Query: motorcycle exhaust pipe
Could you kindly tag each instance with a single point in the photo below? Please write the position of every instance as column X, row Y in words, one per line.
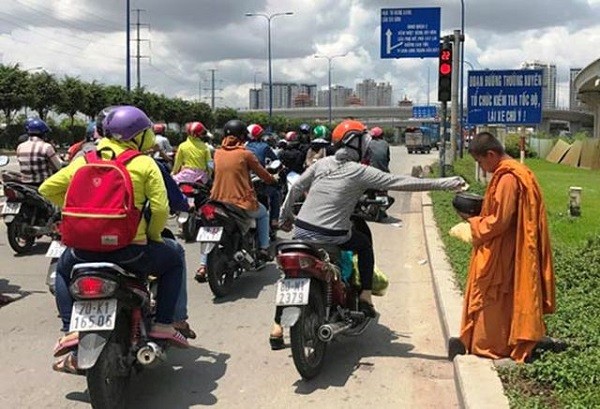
column 244, row 258
column 326, row 332
column 150, row 354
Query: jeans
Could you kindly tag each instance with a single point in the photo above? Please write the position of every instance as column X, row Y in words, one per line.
column 181, row 306
column 157, row 258
column 262, row 225
column 274, row 194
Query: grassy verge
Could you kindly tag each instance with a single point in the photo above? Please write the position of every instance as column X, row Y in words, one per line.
column 570, row 379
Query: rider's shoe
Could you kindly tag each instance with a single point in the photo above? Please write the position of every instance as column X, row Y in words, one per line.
column 367, row 308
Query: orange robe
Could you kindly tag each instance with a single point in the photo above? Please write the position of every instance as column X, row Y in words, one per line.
column 511, row 279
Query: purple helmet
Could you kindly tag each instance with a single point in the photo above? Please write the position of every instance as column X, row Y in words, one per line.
column 125, row 122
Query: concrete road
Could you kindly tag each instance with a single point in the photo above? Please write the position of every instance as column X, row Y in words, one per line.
column 398, row 363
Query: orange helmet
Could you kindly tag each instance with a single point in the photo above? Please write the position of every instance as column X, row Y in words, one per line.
column 352, row 134
column 159, row 128
column 255, row 131
column 196, row 129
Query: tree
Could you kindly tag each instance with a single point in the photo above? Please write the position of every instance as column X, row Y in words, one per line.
column 96, row 99
column 117, row 95
column 222, row 115
column 13, row 90
column 73, row 97
column 43, row 92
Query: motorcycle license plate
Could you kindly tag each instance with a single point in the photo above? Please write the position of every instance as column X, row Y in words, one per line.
column 11, row 208
column 210, row 234
column 292, row 291
column 190, row 201
column 56, row 249
column 93, row 315
column 383, row 200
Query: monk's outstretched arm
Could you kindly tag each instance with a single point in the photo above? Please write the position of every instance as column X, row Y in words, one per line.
column 504, row 210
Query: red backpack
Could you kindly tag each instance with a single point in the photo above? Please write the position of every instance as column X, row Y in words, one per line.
column 99, row 213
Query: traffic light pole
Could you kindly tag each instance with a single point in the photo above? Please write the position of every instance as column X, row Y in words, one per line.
column 443, row 132
column 455, row 132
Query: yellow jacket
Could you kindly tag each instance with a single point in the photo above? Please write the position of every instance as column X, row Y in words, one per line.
column 148, row 185
column 193, row 153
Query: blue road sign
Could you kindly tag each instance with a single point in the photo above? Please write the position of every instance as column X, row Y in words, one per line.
column 510, row 97
column 425, row 111
column 410, row 33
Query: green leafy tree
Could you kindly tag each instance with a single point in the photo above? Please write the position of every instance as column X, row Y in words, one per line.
column 222, row 115
column 73, row 97
column 43, row 92
column 96, row 99
column 117, row 95
column 13, row 90
column 201, row 112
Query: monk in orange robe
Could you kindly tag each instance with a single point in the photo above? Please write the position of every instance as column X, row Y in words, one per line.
column 510, row 284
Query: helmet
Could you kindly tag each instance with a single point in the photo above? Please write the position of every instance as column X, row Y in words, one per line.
column 305, row 129
column 352, row 134
column 100, row 119
column 236, row 128
column 159, row 128
column 291, row 137
column 376, row 132
column 90, row 131
column 269, row 139
column 125, row 122
column 321, row 132
column 28, row 121
column 196, row 128
column 37, row 127
column 255, row 131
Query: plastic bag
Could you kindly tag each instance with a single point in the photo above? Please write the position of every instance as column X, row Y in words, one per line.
column 462, row 231
column 346, row 265
column 380, row 280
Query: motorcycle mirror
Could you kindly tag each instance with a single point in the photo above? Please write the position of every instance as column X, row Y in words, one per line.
column 4, row 160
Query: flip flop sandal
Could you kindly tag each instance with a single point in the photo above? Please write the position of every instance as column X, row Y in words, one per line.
column 66, row 343
column 200, row 275
column 68, row 364
column 185, row 330
column 175, row 338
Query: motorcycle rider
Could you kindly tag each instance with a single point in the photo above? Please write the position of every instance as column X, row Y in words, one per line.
column 87, row 144
column 379, row 150
column 318, row 145
column 334, row 185
column 163, row 147
column 129, row 128
column 37, row 158
column 193, row 156
column 233, row 163
column 263, row 151
column 292, row 156
column 23, row 137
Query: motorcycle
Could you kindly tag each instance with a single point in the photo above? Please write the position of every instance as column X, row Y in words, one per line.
column 27, row 214
column 197, row 194
column 373, row 204
column 274, row 167
column 317, row 303
column 112, row 312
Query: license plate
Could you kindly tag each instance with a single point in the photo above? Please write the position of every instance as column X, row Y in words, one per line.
column 56, row 249
column 212, row 234
column 190, row 201
column 11, row 208
column 292, row 291
column 93, row 315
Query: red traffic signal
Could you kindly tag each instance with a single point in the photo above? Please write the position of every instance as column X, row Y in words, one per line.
column 445, row 72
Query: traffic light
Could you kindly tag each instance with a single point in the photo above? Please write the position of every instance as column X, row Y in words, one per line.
column 445, row 72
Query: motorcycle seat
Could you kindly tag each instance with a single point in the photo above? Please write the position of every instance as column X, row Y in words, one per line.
column 311, row 247
column 104, row 267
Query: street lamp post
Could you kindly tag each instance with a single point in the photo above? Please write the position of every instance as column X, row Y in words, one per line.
column 329, row 59
column 269, row 17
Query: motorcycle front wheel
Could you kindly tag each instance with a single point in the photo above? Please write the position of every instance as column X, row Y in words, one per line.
column 17, row 240
column 308, row 351
column 218, row 274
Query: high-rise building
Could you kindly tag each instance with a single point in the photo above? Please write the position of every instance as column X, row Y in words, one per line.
column 373, row 94
column 548, row 81
column 574, row 102
column 285, row 95
column 339, row 96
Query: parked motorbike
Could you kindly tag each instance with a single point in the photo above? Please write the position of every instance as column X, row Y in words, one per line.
column 318, row 305
column 27, row 214
column 197, row 194
column 112, row 311
column 373, row 205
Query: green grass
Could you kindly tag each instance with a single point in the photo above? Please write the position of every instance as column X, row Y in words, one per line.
column 570, row 379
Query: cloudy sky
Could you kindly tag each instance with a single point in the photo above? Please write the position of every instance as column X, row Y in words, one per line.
column 187, row 38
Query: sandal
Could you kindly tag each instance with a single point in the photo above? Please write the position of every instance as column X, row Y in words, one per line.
column 201, row 274
column 185, row 329
column 174, row 337
column 66, row 343
column 68, row 364
column 276, row 342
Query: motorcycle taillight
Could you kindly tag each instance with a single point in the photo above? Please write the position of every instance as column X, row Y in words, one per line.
column 93, row 287
column 187, row 190
column 208, row 211
column 293, row 263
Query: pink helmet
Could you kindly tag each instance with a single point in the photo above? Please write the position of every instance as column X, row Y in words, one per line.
column 376, row 132
column 196, row 129
column 255, row 131
column 159, row 128
column 291, row 136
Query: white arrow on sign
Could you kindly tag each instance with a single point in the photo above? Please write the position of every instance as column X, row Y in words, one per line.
column 389, row 47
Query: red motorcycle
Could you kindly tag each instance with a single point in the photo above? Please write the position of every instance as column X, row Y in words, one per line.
column 317, row 304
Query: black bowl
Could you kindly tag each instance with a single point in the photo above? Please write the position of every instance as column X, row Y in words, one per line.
column 468, row 203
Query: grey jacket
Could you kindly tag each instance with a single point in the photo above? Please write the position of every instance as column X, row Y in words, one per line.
column 379, row 154
column 335, row 184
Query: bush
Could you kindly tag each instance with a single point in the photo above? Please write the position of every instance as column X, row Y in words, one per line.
column 512, row 147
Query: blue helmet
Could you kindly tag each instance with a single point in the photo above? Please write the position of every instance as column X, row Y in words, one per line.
column 37, row 127
column 28, row 121
column 90, row 131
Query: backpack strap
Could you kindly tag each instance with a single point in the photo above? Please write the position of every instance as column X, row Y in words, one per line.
column 126, row 156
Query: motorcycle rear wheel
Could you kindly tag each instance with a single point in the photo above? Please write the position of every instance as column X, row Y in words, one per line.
column 108, row 379
column 16, row 240
column 218, row 275
column 308, row 351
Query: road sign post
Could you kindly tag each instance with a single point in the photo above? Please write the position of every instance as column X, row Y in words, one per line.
column 410, row 33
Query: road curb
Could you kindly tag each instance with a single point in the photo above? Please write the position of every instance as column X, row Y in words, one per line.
column 477, row 382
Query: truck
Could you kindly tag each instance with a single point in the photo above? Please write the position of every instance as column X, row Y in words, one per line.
column 418, row 139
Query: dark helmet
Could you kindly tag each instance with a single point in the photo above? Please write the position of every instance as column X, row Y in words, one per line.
column 100, row 119
column 305, row 129
column 236, row 128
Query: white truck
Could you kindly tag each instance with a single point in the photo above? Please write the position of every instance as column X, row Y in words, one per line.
column 417, row 141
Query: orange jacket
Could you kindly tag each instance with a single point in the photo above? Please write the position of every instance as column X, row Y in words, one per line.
column 232, row 183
